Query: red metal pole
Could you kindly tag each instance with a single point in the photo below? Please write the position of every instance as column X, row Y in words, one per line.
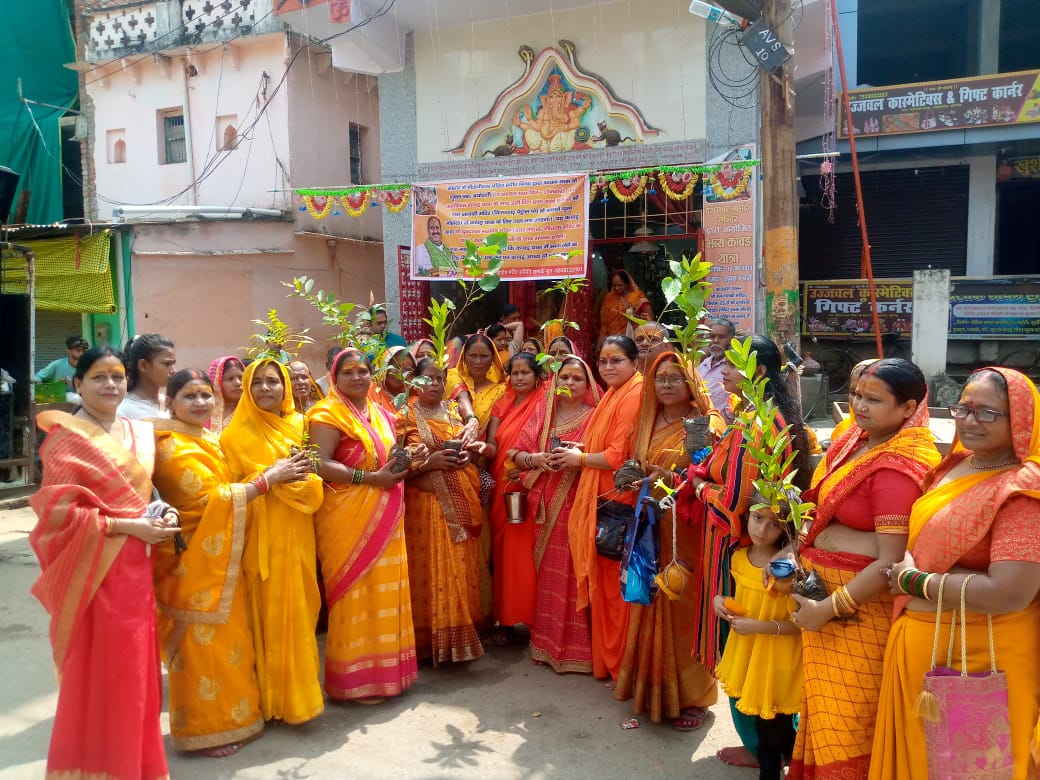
column 867, row 267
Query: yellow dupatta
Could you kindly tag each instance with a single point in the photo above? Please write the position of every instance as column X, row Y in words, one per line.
column 484, row 399
column 252, row 441
column 349, row 549
column 197, row 585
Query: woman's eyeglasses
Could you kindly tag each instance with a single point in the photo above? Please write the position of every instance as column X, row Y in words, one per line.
column 983, row 415
column 611, row 362
column 668, row 381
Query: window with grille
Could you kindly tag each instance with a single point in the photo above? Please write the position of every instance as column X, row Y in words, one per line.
column 355, row 154
column 173, row 149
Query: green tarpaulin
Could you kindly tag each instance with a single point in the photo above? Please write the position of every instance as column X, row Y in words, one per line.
column 35, row 44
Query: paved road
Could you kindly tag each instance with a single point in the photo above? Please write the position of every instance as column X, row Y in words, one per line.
column 499, row 717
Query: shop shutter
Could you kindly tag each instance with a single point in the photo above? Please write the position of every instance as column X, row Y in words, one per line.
column 52, row 328
column 917, row 218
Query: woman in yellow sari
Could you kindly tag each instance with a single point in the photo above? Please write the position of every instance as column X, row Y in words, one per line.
column 279, row 559
column 203, row 611
column 871, row 478
column 370, row 650
column 477, row 382
column 397, row 365
column 659, row 673
column 623, row 298
column 977, row 522
column 443, row 518
column 607, row 444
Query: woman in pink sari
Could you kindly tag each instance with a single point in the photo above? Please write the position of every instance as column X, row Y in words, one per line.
column 560, row 632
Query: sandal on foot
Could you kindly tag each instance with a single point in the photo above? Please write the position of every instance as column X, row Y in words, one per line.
column 220, row 751
column 737, row 756
column 690, row 719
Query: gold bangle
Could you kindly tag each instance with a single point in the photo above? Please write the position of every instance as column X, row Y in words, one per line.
column 699, row 490
column 110, row 526
column 777, row 627
column 581, row 459
column 834, row 605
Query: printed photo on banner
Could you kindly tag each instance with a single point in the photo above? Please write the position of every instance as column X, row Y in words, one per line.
column 545, row 218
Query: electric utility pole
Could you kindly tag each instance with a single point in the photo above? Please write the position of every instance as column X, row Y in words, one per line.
column 779, row 185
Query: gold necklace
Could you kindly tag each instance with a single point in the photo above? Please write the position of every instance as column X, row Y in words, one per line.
column 973, row 465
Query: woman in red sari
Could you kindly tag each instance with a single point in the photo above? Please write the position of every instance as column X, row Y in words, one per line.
column 608, row 443
column 92, row 541
column 871, row 478
column 512, row 561
column 560, row 632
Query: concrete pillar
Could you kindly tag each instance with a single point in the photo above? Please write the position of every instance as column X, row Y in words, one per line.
column 988, row 40
column 931, row 321
column 982, row 215
column 397, row 140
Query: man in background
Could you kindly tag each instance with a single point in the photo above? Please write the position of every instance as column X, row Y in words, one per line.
column 720, row 334
column 64, row 367
column 379, row 328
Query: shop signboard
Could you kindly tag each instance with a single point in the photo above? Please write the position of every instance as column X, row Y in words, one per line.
column 841, row 307
column 999, row 308
column 545, row 218
column 980, row 101
column 1004, row 308
column 728, row 222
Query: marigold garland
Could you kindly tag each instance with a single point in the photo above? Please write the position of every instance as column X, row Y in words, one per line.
column 318, row 206
column 356, row 203
column 396, row 202
column 628, row 190
column 730, row 189
column 677, row 186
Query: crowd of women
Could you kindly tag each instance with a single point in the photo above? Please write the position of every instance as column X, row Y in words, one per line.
column 469, row 517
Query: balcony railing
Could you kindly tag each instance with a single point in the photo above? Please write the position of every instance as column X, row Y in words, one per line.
column 123, row 29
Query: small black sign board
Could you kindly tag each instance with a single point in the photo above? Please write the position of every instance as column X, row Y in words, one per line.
column 765, row 46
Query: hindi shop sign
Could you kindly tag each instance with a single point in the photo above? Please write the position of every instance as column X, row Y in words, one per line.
column 980, row 101
column 728, row 221
column 1003, row 308
column 842, row 307
column 545, row 217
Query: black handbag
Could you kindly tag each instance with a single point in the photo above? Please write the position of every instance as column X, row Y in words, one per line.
column 613, row 520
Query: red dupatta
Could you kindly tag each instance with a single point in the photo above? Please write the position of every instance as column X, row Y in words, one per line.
column 89, row 476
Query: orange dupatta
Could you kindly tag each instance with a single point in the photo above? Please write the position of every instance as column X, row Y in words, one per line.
column 937, row 547
column 89, row 476
column 609, row 432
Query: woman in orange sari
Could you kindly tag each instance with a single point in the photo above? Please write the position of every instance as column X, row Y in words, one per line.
column 279, row 559
column 608, row 443
column 871, row 478
column 512, row 561
column 370, row 650
column 716, row 500
column 93, row 541
column 658, row 672
column 443, row 518
column 226, row 375
column 560, row 632
column 398, row 365
column 976, row 522
column 203, row 611
column 623, row 298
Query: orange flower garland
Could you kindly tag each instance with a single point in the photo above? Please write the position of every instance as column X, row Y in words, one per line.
column 318, row 206
column 677, row 186
column 728, row 188
column 356, row 202
column 395, row 202
column 627, row 190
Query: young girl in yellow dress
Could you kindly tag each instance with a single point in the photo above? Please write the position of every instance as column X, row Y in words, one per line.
column 761, row 667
